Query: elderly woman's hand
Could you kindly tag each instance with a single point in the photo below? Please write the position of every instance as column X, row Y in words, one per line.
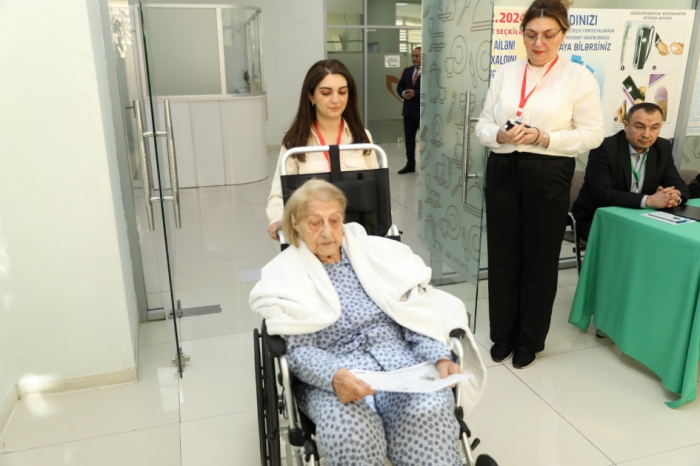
column 349, row 388
column 447, row 368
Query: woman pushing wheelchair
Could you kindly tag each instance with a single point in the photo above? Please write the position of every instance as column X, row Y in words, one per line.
column 344, row 301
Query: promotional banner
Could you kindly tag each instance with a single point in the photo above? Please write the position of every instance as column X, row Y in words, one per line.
column 651, row 63
column 635, row 55
column 694, row 117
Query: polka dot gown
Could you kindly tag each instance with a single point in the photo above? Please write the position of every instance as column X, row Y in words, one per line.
column 410, row 428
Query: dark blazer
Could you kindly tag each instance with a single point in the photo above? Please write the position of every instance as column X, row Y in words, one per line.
column 609, row 177
column 410, row 107
column 694, row 188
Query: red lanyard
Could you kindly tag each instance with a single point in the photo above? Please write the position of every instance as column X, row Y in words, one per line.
column 523, row 97
column 323, row 143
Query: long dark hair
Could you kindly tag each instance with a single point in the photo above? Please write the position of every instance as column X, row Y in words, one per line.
column 300, row 130
column 555, row 9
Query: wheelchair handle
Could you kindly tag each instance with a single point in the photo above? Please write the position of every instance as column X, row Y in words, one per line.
column 381, row 155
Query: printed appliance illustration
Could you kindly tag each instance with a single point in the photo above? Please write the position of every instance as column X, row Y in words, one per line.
column 642, row 46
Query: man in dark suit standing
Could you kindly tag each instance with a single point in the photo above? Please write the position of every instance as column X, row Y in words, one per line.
column 633, row 168
column 409, row 90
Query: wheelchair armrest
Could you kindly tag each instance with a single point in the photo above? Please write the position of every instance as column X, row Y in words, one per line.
column 276, row 345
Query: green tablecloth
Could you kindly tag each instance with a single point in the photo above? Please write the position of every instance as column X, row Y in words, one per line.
column 641, row 280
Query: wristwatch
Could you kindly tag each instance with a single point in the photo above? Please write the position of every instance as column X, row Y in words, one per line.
column 545, row 135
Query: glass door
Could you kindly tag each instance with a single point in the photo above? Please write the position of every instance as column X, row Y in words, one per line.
column 456, row 64
column 147, row 213
column 157, row 120
column 203, row 75
column 385, row 62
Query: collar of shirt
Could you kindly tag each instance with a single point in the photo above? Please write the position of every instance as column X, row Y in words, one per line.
column 634, row 154
column 344, row 139
column 539, row 70
column 535, row 74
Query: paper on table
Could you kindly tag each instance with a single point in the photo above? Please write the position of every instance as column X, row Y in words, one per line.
column 421, row 378
column 668, row 218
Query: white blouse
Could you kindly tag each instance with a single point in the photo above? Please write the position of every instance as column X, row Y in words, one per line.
column 566, row 104
column 316, row 162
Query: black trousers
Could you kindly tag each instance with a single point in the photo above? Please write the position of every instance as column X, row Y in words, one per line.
column 527, row 200
column 410, row 128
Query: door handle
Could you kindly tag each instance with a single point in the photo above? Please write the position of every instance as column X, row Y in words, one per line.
column 172, row 159
column 465, row 150
column 144, row 164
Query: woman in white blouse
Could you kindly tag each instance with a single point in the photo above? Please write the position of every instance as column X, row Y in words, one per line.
column 555, row 109
column 328, row 114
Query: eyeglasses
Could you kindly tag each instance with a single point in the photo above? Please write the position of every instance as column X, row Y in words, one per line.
column 545, row 38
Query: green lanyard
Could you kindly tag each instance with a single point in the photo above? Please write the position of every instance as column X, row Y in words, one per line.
column 634, row 169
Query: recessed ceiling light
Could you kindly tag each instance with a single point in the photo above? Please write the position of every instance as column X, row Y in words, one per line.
column 402, row 4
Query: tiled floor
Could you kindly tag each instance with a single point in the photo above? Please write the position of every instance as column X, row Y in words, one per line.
column 583, row 403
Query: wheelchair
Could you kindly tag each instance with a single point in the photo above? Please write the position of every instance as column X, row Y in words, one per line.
column 369, row 203
column 271, row 369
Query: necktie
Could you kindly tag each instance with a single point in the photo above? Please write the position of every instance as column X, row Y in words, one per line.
column 415, row 77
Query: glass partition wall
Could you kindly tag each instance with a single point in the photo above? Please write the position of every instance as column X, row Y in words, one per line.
column 204, row 49
column 374, row 39
column 455, row 78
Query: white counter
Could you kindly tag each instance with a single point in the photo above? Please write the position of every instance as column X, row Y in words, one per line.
column 219, row 140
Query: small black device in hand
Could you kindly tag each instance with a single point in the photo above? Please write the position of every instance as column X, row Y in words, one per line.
column 511, row 123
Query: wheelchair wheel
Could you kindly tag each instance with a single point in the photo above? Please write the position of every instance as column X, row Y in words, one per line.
column 268, row 416
column 260, row 397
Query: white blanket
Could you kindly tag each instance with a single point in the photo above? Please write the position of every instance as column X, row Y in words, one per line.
column 295, row 296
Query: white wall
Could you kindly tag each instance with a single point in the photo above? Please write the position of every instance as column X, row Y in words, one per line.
column 67, row 297
column 293, row 38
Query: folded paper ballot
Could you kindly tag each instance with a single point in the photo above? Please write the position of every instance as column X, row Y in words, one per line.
column 421, row 378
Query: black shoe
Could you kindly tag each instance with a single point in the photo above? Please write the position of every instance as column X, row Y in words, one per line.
column 407, row 169
column 501, row 353
column 523, row 359
column 600, row 334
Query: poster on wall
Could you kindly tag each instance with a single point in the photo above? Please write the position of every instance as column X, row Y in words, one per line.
column 636, row 56
column 651, row 63
column 694, row 117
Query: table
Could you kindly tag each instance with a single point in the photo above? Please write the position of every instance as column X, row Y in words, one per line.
column 641, row 280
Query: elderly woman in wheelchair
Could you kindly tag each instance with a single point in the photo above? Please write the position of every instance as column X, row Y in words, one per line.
column 345, row 300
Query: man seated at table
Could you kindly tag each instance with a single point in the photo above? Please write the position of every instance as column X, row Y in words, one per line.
column 633, row 168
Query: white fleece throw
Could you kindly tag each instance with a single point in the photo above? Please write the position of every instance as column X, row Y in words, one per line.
column 295, row 296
